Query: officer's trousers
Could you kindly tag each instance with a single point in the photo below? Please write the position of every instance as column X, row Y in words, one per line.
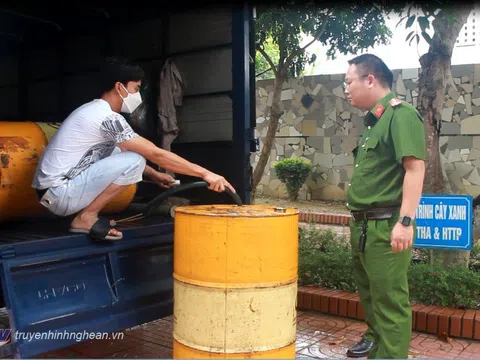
column 382, row 283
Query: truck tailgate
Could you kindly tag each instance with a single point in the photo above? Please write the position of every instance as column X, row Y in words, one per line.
column 57, row 282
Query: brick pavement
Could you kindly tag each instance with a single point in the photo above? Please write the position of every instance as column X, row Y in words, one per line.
column 318, row 336
column 323, row 336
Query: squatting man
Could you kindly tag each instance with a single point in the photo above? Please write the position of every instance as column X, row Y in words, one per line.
column 95, row 155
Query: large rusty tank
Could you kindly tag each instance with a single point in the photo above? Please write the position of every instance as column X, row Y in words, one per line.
column 21, row 145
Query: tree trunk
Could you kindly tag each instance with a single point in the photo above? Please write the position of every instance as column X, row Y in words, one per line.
column 435, row 77
column 275, row 114
column 432, row 86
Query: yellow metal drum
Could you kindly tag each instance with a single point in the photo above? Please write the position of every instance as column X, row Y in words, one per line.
column 21, row 145
column 235, row 281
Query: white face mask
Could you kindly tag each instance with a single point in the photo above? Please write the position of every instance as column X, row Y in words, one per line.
column 131, row 102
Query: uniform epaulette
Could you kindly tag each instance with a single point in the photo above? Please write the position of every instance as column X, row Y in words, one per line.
column 379, row 111
column 395, row 102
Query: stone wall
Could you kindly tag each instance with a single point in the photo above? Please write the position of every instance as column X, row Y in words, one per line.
column 319, row 124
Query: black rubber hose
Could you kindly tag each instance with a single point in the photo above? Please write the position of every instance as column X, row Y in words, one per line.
column 150, row 207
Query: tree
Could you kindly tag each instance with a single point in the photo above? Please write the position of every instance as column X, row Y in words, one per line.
column 446, row 19
column 346, row 28
column 263, row 70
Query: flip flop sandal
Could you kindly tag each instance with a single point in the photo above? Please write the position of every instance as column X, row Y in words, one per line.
column 99, row 230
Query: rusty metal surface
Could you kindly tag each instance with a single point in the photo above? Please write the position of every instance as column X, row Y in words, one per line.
column 13, row 143
column 5, row 159
column 21, row 145
column 255, row 211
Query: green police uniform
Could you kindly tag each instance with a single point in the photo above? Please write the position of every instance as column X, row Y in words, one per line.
column 393, row 129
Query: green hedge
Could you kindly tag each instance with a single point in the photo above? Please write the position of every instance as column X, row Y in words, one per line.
column 293, row 173
column 325, row 260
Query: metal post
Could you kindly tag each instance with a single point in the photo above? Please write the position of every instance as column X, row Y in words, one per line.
column 242, row 19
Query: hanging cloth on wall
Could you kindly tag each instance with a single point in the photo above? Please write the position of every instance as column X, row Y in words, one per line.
column 171, row 94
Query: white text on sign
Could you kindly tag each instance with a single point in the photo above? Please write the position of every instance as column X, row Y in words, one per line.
column 440, row 212
column 448, row 233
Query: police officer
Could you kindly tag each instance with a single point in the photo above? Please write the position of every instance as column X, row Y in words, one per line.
column 383, row 195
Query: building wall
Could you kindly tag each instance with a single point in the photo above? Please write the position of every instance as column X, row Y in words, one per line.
column 327, row 131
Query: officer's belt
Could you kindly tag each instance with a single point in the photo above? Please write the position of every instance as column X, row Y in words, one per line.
column 374, row 214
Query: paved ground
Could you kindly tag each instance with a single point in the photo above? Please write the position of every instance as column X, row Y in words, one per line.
column 318, row 336
column 322, row 336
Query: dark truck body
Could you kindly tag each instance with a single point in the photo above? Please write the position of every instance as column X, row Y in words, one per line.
column 55, row 281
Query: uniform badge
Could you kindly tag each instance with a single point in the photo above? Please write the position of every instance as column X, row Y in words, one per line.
column 379, row 111
column 395, row 102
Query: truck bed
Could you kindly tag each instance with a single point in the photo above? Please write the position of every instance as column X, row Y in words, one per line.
column 21, row 233
column 53, row 280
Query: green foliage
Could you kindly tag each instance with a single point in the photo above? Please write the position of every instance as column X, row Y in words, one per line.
column 424, row 14
column 474, row 263
column 423, row 21
column 325, row 260
column 454, row 286
column 262, row 67
column 293, row 173
column 343, row 28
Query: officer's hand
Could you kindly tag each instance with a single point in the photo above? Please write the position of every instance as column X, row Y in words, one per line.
column 401, row 237
column 217, row 182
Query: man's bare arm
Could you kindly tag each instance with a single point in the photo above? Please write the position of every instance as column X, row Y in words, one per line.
column 149, row 171
column 162, row 158
column 402, row 236
column 412, row 185
column 173, row 162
